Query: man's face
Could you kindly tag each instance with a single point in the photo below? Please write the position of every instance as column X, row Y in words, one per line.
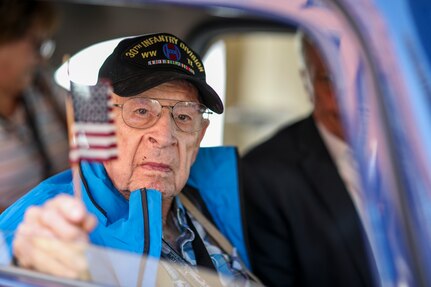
column 325, row 104
column 18, row 60
column 158, row 157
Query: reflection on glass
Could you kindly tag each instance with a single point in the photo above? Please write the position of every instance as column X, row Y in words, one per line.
column 83, row 264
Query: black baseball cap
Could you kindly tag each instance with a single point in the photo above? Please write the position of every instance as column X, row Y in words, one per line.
column 144, row 62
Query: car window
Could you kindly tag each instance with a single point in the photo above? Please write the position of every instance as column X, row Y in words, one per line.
column 257, row 75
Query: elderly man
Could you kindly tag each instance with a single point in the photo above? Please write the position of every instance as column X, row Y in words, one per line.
column 160, row 101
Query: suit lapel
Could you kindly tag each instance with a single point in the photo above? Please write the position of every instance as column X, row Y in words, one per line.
column 322, row 173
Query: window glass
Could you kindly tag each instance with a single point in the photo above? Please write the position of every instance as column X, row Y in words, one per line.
column 262, row 88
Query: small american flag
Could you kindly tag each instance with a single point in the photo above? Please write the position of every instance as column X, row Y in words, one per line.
column 93, row 129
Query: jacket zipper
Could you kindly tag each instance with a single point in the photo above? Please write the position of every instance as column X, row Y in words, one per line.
column 145, row 214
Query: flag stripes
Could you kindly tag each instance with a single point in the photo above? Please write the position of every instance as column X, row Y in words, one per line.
column 93, row 130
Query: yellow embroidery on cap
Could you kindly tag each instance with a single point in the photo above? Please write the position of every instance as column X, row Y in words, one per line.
column 152, row 53
column 160, row 38
column 192, row 57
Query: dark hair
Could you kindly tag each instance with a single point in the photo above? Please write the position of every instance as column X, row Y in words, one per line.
column 17, row 17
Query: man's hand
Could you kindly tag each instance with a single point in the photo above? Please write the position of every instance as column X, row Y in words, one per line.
column 52, row 238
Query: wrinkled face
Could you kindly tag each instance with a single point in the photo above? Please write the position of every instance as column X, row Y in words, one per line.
column 325, row 104
column 158, row 157
column 18, row 60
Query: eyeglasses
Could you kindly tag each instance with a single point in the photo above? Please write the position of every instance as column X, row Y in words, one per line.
column 44, row 47
column 47, row 48
column 142, row 113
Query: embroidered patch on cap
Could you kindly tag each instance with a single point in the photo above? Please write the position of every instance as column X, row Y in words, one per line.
column 164, row 49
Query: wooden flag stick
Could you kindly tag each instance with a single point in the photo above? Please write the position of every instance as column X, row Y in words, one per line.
column 74, row 163
column 72, row 144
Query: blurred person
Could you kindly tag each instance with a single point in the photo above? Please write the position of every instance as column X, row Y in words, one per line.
column 160, row 101
column 303, row 207
column 33, row 138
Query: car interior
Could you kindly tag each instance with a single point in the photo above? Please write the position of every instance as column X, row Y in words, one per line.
column 252, row 62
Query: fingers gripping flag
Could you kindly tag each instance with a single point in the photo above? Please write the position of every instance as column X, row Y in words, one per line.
column 93, row 129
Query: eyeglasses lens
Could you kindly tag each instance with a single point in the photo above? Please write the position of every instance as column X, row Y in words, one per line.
column 47, row 48
column 143, row 113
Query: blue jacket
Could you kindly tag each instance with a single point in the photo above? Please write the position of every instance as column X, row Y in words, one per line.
column 135, row 224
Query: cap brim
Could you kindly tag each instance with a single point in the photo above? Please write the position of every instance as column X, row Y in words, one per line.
column 144, row 81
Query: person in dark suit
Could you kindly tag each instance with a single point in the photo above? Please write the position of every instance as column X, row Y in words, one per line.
column 303, row 208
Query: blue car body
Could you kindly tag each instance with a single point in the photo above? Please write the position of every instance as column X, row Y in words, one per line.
column 380, row 54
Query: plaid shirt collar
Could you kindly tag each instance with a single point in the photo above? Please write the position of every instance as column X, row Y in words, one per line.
column 226, row 264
